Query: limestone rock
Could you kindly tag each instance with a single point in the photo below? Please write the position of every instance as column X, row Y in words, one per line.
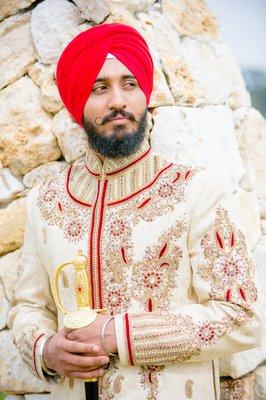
column 251, row 135
column 15, row 377
column 71, row 137
column 215, row 73
column 26, row 139
column 11, row 7
column 10, row 269
column 44, row 396
column 12, row 221
column 50, row 169
column 259, row 255
column 15, row 397
column 4, row 307
column 10, row 185
column 97, row 11
column 249, row 212
column 49, row 29
column 167, row 42
column 16, row 48
column 50, row 97
column 260, row 383
column 39, row 72
column 263, row 226
column 242, row 389
column 191, row 18
column 242, row 363
column 203, row 136
column 161, row 94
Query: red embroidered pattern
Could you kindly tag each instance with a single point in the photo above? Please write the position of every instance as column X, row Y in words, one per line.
column 59, row 210
column 153, row 277
column 228, row 266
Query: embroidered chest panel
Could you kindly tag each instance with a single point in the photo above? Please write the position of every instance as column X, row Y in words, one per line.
column 118, row 274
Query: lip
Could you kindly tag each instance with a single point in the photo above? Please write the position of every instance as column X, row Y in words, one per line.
column 120, row 120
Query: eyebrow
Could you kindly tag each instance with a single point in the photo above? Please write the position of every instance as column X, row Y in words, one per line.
column 105, row 78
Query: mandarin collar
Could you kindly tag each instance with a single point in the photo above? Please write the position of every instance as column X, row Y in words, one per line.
column 112, row 166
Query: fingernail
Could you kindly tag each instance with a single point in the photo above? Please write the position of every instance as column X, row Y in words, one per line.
column 104, row 361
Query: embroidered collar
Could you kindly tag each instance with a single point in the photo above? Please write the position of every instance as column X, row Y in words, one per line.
column 112, row 166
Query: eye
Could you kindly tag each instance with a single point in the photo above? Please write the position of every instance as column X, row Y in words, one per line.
column 99, row 88
column 130, row 84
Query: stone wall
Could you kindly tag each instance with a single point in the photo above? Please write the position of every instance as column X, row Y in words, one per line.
column 200, row 112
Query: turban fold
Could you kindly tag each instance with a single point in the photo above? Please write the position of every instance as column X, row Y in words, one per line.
column 83, row 58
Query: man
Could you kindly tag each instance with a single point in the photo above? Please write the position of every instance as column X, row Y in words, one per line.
column 165, row 257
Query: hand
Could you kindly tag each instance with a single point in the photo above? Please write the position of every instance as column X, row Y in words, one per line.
column 93, row 334
column 73, row 359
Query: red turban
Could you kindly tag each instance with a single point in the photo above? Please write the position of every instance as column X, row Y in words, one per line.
column 82, row 60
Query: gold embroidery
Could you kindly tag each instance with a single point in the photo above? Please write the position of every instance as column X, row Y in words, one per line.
column 191, row 293
column 232, row 389
column 111, row 383
column 228, row 267
column 153, row 278
column 59, row 210
column 160, row 339
column 25, row 344
column 189, row 388
column 149, row 380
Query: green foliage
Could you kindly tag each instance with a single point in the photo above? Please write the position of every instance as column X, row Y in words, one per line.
column 2, row 396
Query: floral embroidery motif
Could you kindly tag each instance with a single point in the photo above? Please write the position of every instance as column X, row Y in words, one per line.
column 228, row 267
column 149, row 380
column 58, row 209
column 153, row 278
column 116, row 293
column 25, row 343
column 111, row 383
column 233, row 389
column 189, row 388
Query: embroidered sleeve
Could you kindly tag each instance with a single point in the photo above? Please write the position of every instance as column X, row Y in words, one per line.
column 225, row 318
column 33, row 315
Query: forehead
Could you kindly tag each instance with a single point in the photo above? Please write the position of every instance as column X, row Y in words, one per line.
column 112, row 69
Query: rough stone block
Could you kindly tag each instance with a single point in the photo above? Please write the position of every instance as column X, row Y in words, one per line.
column 17, row 52
column 203, row 136
column 49, row 29
column 10, row 185
column 26, row 138
column 12, row 222
column 72, row 139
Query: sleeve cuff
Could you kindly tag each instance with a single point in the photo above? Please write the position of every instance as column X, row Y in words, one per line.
column 43, row 372
column 123, row 337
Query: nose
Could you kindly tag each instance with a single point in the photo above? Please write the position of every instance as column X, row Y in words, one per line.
column 117, row 100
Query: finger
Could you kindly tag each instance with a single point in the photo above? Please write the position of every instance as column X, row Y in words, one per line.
column 79, row 347
column 97, row 373
column 84, row 362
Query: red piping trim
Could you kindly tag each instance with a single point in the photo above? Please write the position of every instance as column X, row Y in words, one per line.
column 125, row 167
column 91, row 246
column 34, row 353
column 99, row 243
column 70, row 194
column 141, row 190
column 128, row 340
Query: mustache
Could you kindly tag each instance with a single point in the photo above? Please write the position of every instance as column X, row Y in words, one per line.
column 126, row 114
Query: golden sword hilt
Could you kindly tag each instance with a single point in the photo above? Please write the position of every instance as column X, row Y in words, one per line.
column 85, row 315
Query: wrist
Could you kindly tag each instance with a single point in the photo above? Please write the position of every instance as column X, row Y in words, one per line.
column 46, row 365
column 109, row 337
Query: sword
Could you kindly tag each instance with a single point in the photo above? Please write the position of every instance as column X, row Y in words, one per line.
column 84, row 315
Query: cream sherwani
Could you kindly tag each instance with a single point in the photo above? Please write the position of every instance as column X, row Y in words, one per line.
column 165, row 256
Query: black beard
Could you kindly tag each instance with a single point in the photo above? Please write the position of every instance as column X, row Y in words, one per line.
column 116, row 145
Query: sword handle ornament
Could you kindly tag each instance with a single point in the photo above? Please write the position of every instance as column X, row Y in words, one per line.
column 85, row 315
